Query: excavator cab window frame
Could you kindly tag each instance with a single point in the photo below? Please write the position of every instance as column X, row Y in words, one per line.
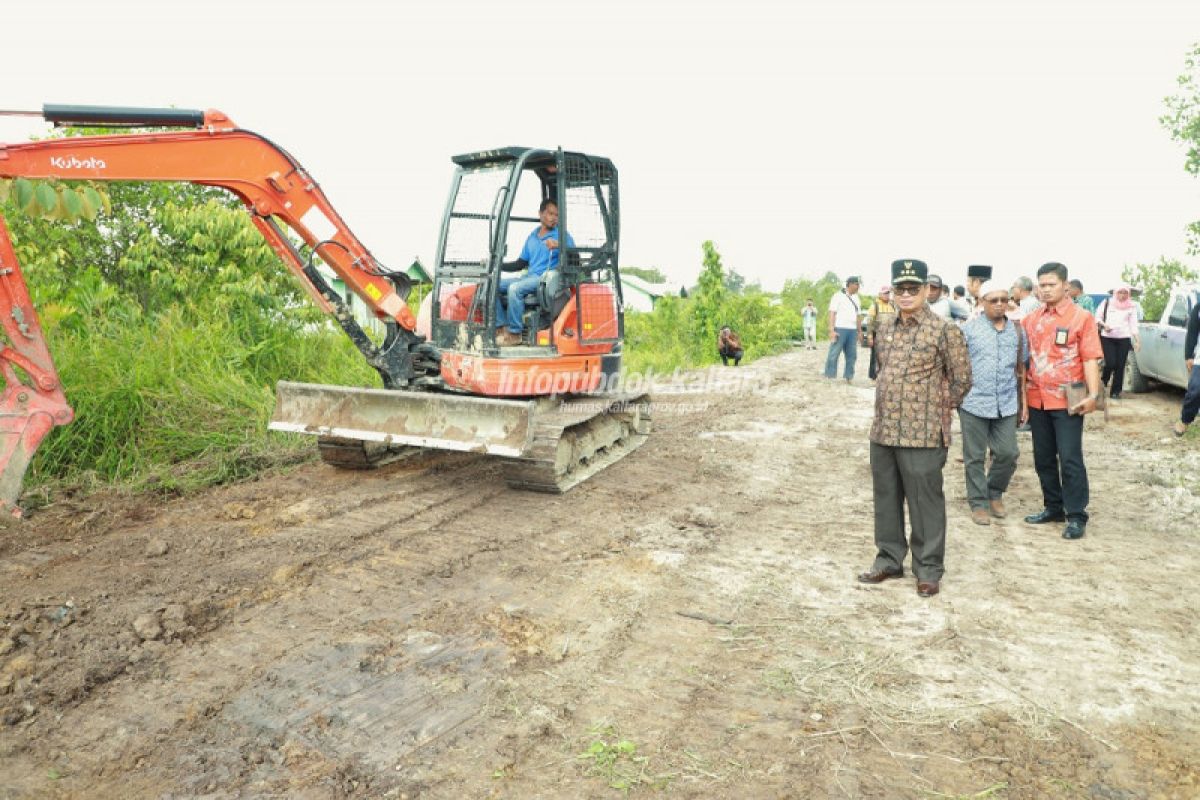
column 577, row 265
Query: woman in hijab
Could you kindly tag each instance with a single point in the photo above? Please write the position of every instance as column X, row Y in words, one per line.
column 1117, row 317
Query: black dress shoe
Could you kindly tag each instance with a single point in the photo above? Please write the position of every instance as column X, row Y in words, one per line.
column 880, row 575
column 1044, row 516
column 1075, row 529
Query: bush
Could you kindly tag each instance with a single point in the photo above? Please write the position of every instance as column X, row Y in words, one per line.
column 181, row 402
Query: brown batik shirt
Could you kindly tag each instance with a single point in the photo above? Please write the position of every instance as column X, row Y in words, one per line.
column 924, row 373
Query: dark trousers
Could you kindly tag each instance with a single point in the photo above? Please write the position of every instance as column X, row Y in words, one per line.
column 979, row 435
column 1116, row 353
column 729, row 353
column 874, row 368
column 1058, row 459
column 912, row 475
column 1191, row 399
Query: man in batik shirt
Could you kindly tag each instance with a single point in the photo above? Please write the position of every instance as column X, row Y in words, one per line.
column 924, row 373
column 1064, row 349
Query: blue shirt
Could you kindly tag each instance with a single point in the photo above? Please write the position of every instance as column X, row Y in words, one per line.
column 993, row 367
column 540, row 257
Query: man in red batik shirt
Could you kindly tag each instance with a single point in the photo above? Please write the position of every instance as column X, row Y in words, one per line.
column 1064, row 353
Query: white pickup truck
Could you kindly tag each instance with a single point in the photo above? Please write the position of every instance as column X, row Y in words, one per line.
column 1161, row 356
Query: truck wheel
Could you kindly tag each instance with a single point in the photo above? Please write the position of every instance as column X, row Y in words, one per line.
column 1135, row 381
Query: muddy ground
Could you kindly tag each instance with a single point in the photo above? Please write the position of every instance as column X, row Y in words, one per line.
column 685, row 624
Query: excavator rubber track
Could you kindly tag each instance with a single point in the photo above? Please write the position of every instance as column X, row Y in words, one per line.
column 578, row 439
column 356, row 454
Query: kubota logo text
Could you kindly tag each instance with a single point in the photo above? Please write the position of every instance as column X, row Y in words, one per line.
column 71, row 162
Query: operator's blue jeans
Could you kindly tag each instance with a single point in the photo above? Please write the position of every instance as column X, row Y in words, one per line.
column 847, row 342
column 1191, row 400
column 513, row 291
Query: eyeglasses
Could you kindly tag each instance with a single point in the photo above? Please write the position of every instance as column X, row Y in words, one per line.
column 909, row 289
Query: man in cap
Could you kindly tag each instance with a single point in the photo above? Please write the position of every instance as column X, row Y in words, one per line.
column 938, row 302
column 880, row 310
column 1064, row 349
column 924, row 373
column 844, row 317
column 990, row 411
column 976, row 275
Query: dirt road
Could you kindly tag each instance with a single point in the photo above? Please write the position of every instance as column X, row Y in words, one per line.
column 686, row 624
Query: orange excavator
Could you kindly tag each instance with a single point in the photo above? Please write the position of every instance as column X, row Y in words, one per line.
column 550, row 404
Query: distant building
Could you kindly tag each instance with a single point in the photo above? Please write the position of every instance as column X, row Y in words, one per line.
column 364, row 316
column 640, row 294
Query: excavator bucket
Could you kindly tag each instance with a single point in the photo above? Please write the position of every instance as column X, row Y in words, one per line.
column 398, row 417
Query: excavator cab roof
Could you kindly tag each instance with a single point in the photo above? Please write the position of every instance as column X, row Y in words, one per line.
column 501, row 154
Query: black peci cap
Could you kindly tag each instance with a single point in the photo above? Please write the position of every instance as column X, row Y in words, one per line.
column 852, row 279
column 979, row 271
column 909, row 270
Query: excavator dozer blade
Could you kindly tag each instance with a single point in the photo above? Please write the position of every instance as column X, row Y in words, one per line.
column 398, row 417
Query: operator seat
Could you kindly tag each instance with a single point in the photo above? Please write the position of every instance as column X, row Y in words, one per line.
column 550, row 298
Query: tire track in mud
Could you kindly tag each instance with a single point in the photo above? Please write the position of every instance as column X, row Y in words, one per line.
column 414, row 543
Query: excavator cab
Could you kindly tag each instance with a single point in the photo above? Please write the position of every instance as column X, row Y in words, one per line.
column 493, row 207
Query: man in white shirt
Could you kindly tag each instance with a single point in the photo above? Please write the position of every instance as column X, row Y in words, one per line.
column 845, row 315
column 938, row 302
column 1027, row 302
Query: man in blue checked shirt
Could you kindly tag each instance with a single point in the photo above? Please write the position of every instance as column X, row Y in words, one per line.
column 990, row 411
column 539, row 255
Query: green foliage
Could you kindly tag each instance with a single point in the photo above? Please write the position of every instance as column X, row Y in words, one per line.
column 52, row 199
column 1182, row 121
column 710, row 294
column 615, row 759
column 648, row 274
column 1156, row 282
column 797, row 291
column 682, row 332
column 734, row 282
column 178, row 400
column 170, row 323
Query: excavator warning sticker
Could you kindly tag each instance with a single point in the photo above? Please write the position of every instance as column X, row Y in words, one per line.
column 373, row 291
column 315, row 220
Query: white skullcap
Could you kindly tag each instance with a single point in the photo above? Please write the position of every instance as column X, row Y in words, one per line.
column 990, row 286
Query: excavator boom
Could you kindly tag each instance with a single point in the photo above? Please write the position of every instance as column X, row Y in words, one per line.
column 282, row 198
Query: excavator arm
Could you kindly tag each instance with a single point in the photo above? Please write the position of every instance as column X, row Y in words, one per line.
column 280, row 196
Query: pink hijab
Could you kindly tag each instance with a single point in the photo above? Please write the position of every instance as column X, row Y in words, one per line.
column 1125, row 304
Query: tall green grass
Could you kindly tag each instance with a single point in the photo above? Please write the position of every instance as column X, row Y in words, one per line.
column 672, row 335
column 181, row 402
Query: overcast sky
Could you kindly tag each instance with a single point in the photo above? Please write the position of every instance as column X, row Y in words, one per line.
column 801, row 137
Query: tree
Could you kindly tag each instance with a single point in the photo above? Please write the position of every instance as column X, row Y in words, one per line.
column 1156, row 281
column 1182, row 121
column 710, row 294
column 734, row 282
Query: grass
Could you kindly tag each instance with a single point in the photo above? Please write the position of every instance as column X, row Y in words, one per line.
column 614, row 758
column 177, row 404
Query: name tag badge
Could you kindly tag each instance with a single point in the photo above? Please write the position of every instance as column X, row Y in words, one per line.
column 1060, row 337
